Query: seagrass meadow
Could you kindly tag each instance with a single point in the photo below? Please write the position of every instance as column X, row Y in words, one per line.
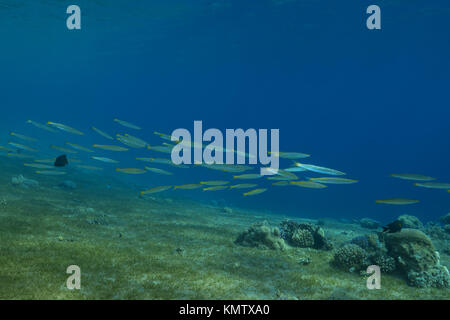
column 161, row 248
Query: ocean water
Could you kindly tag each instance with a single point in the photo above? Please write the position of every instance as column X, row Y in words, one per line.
column 366, row 102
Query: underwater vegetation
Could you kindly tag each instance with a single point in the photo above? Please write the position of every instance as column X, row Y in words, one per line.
column 149, row 243
column 162, row 247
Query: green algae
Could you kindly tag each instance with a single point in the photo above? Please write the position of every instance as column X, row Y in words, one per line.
column 159, row 248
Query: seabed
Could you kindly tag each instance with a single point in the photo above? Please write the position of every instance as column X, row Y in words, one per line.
column 159, row 248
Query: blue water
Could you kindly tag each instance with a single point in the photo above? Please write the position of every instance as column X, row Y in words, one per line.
column 368, row 103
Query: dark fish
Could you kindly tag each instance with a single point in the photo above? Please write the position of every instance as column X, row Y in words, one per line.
column 61, row 161
column 395, row 226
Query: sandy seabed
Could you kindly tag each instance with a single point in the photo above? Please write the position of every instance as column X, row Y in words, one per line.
column 160, row 248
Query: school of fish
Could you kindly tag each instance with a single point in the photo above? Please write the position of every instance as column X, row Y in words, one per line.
column 24, row 147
